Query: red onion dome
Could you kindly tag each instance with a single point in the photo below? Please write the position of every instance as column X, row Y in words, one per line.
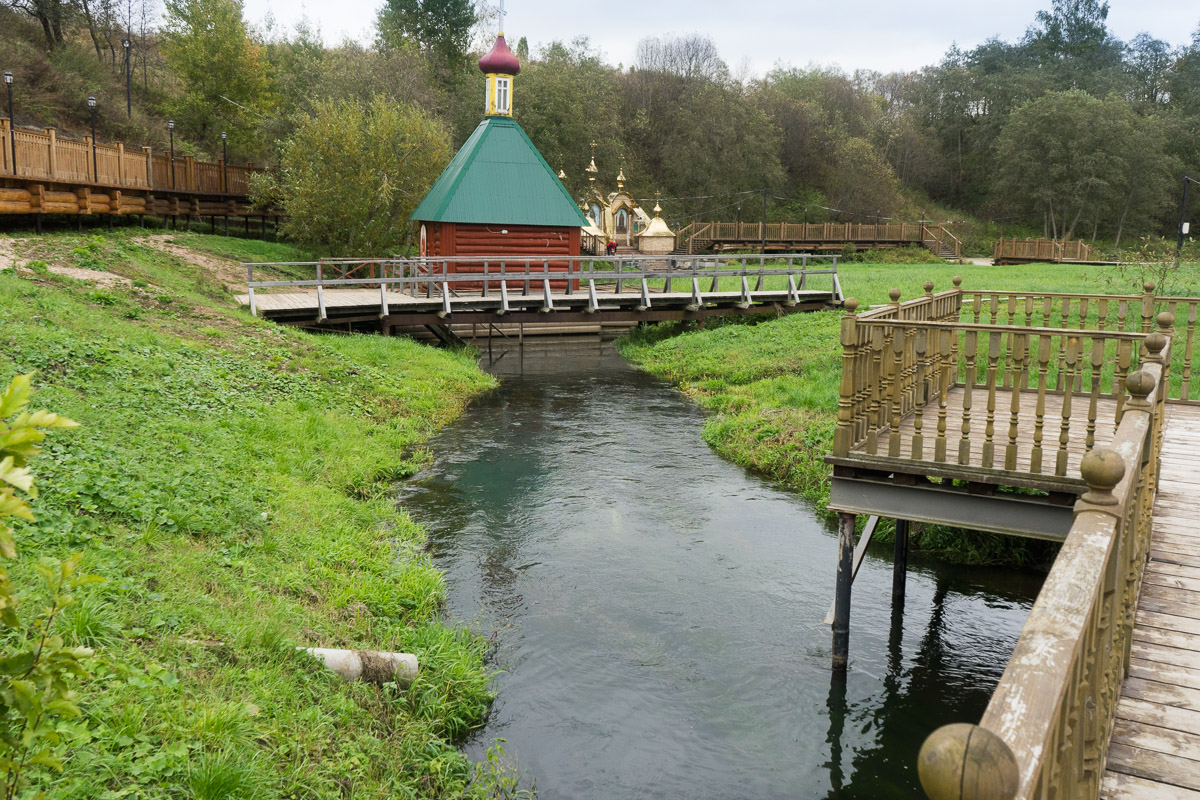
column 500, row 60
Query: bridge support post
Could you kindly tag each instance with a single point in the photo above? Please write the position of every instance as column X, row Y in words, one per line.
column 841, row 603
column 900, row 562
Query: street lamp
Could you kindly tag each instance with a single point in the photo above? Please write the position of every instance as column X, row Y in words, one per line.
column 171, row 128
column 92, row 108
column 1183, row 218
column 224, row 164
column 12, row 130
column 128, row 80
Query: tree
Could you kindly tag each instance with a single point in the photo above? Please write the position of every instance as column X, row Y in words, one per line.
column 1068, row 156
column 351, row 175
column 226, row 78
column 52, row 15
column 689, row 57
column 442, row 27
column 1147, row 61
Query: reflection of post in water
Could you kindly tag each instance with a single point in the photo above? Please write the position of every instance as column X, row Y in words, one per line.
column 930, row 652
column 836, row 705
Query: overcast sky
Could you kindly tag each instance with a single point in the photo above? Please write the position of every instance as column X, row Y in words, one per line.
column 866, row 34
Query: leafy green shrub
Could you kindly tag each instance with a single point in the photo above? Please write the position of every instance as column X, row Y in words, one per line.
column 36, row 666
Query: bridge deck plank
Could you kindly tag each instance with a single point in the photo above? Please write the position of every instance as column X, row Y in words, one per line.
column 1155, row 749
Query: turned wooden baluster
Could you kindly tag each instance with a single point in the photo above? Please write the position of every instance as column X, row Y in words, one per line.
column 1083, row 312
column 1147, row 306
column 1020, row 348
column 1185, row 389
column 1102, row 314
column 1062, row 344
column 948, row 365
column 922, row 393
column 1064, row 433
column 1098, row 344
column 1047, row 307
column 878, row 389
column 994, row 307
column 1043, row 356
column 898, row 385
column 843, row 435
column 989, row 429
column 1122, row 314
column 969, row 350
column 1124, row 359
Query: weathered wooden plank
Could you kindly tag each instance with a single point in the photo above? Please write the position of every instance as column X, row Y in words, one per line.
column 1181, row 641
column 1163, row 693
column 1121, row 786
column 1148, row 618
column 1158, row 740
column 1165, row 655
column 1174, row 607
column 1187, row 677
column 1159, row 767
column 1163, row 716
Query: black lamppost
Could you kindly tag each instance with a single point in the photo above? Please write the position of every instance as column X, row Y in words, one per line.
column 92, row 108
column 171, row 128
column 12, row 131
column 224, row 164
column 1182, row 217
column 128, row 80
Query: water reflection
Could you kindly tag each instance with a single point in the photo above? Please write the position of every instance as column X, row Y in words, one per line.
column 659, row 609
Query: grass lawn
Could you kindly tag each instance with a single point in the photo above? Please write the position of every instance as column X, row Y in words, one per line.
column 232, row 481
column 772, row 387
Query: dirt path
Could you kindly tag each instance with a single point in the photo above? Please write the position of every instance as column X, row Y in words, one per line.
column 225, row 271
column 8, row 253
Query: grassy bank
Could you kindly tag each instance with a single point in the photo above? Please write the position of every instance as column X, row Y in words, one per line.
column 232, row 482
column 772, row 387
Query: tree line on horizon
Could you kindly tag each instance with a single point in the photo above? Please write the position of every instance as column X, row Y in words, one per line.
column 1068, row 132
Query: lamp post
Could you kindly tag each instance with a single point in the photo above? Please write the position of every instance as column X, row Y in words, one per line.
column 1182, row 218
column 128, row 80
column 224, row 164
column 12, row 131
column 171, row 128
column 92, row 108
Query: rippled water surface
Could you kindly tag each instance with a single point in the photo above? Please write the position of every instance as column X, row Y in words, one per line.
column 658, row 610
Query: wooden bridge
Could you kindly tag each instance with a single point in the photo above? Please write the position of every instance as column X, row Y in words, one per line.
column 699, row 237
column 386, row 294
column 1062, row 416
column 1027, row 251
column 48, row 174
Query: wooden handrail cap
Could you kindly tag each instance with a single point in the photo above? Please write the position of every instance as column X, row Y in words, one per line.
column 1165, row 320
column 894, row 294
column 957, row 281
column 1102, row 468
column 1148, row 286
column 850, row 304
column 1155, row 342
column 928, row 287
column 1141, row 383
column 967, row 762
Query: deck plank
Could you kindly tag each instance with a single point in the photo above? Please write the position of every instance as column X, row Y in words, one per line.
column 1155, row 749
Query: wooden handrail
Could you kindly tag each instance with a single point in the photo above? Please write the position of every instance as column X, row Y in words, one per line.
column 1053, row 250
column 1045, row 732
column 43, row 155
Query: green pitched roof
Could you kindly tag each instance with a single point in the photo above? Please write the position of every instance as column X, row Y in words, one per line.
column 499, row 177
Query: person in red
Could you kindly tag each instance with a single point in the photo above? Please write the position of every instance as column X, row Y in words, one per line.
column 611, row 248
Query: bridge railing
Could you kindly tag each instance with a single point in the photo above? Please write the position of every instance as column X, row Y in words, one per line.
column 1046, row 730
column 1053, row 250
column 1129, row 312
column 47, row 156
column 1028, row 397
column 449, row 277
column 824, row 232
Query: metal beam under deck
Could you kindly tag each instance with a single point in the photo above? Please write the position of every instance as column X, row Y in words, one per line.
column 484, row 317
column 1037, row 517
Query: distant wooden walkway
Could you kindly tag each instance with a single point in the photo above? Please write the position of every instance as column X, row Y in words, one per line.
column 1155, row 749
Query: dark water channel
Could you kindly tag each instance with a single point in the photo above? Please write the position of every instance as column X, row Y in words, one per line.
column 658, row 610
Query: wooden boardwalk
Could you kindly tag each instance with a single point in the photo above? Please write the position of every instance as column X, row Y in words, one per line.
column 1155, row 749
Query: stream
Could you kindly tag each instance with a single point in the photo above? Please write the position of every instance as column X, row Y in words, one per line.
column 657, row 610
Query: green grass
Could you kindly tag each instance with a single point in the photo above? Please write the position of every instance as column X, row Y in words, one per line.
column 772, row 387
column 232, row 481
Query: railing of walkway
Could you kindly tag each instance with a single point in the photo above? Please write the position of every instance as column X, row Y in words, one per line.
column 1041, row 250
column 44, row 155
column 446, row 277
column 1045, row 732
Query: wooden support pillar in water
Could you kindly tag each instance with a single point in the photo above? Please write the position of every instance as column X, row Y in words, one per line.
column 900, row 561
column 841, row 603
